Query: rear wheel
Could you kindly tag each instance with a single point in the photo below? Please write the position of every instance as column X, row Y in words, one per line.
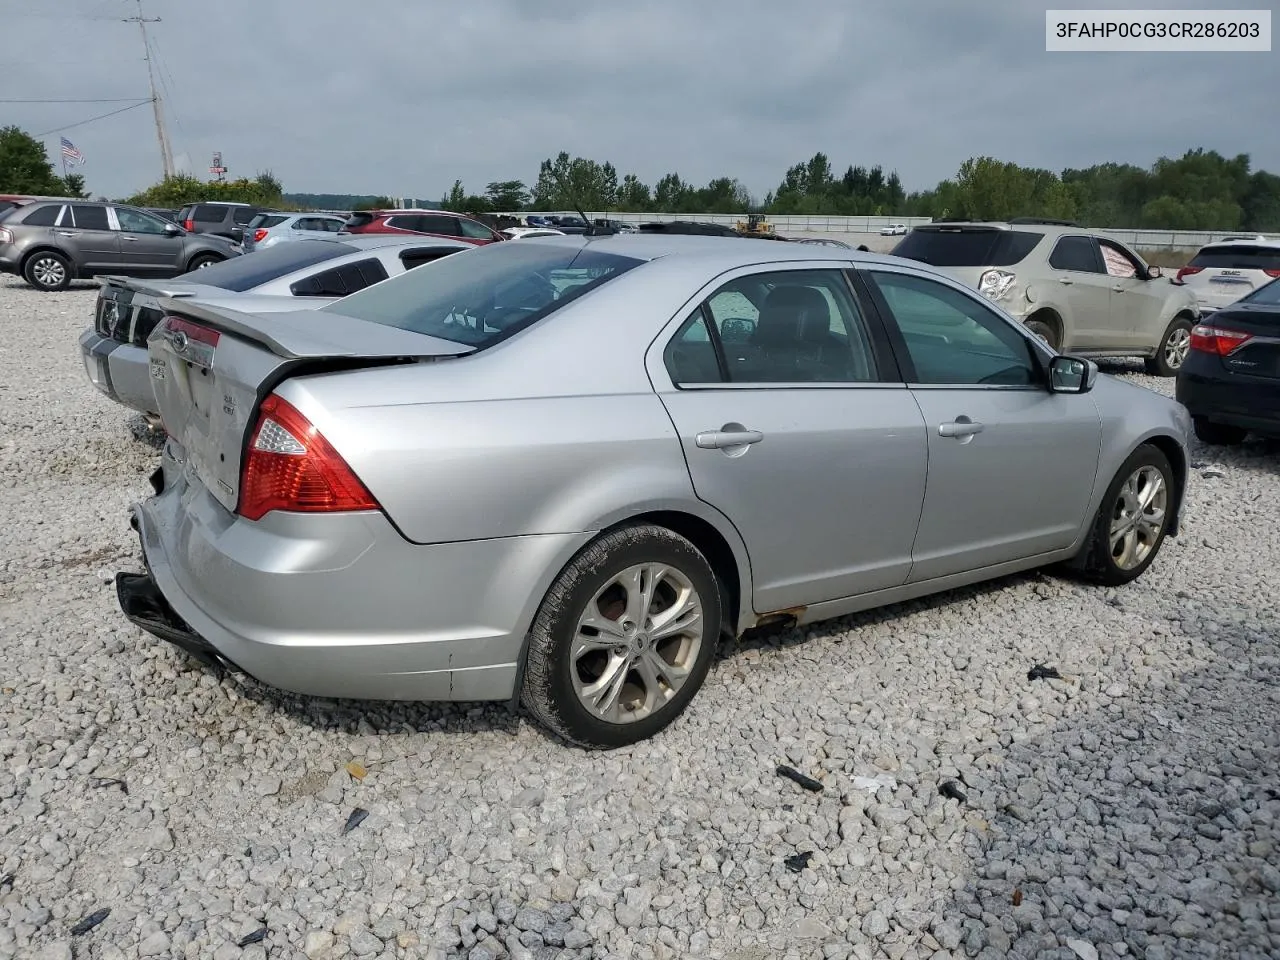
column 203, row 260
column 1130, row 525
column 1218, row 434
column 1173, row 350
column 1045, row 330
column 623, row 639
column 46, row 270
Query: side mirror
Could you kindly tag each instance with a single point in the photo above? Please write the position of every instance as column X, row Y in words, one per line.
column 172, row 230
column 1071, row 375
column 1154, row 273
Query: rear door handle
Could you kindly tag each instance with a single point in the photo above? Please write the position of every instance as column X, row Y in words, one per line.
column 67, row 233
column 1117, row 289
column 130, row 239
column 719, row 439
column 1067, row 280
column 961, row 427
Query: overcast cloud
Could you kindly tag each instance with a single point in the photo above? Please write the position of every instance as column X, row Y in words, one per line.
column 400, row 98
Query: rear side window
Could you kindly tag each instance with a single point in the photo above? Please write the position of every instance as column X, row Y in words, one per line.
column 359, row 220
column 475, row 230
column 432, row 223
column 1077, row 254
column 967, row 246
column 488, row 294
column 341, row 281
column 1238, row 256
column 89, row 218
column 43, row 216
column 242, row 215
column 207, row 213
column 265, row 221
column 244, row 273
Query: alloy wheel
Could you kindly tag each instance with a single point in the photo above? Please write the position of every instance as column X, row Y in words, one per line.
column 1177, row 347
column 636, row 643
column 1138, row 517
column 48, row 271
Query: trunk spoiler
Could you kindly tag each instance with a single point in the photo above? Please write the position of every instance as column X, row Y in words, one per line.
column 316, row 334
column 143, row 286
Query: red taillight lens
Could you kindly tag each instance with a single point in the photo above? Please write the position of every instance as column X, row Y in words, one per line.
column 290, row 466
column 192, row 331
column 1186, row 272
column 189, row 226
column 1272, row 273
column 1219, row 341
column 259, row 235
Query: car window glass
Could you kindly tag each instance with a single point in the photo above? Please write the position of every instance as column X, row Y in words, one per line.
column 1117, row 261
column 342, row 280
column 795, row 326
column 418, row 256
column 690, row 357
column 433, row 223
column 242, row 215
column 134, row 221
column 1077, row 254
column 330, row 225
column 953, row 338
column 1238, row 256
column 204, row 213
column 477, row 231
column 303, row 223
column 43, row 216
column 88, row 217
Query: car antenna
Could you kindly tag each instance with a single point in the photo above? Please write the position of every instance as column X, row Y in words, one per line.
column 577, row 207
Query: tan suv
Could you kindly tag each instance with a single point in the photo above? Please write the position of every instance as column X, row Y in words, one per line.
column 1080, row 291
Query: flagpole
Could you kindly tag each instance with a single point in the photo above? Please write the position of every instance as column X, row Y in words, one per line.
column 64, row 168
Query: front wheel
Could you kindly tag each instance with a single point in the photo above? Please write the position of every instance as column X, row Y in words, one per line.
column 1131, row 524
column 202, row 261
column 47, row 271
column 623, row 639
column 1173, row 350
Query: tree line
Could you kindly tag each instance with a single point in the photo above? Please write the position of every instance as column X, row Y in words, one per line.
column 1201, row 190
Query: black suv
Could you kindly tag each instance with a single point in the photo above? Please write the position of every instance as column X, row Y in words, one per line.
column 219, row 218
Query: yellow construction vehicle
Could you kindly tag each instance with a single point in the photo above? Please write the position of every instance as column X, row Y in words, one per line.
column 755, row 226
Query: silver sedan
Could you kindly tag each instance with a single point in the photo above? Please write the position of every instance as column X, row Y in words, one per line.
column 557, row 473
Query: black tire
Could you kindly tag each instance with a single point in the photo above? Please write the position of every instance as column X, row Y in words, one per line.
column 1218, row 434
column 1046, row 331
column 548, row 691
column 1096, row 561
column 48, row 271
column 1172, row 352
column 202, row 260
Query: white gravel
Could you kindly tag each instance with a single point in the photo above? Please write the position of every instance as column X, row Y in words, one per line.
column 1127, row 811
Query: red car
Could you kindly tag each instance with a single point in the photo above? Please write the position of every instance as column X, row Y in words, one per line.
column 439, row 223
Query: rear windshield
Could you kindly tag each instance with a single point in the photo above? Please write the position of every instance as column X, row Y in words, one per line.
column 966, row 246
column 254, row 269
column 1238, row 256
column 485, row 295
column 1269, row 294
column 266, row 220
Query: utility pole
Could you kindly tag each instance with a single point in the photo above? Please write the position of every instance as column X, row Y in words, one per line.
column 166, row 155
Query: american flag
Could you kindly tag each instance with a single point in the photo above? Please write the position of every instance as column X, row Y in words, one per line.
column 71, row 152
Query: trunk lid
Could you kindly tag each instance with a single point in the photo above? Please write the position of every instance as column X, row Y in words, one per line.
column 1260, row 354
column 117, row 315
column 211, row 367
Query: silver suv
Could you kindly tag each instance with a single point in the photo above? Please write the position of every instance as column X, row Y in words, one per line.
column 1084, row 293
column 1223, row 272
column 51, row 243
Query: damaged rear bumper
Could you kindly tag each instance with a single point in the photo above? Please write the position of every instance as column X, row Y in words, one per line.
column 145, row 606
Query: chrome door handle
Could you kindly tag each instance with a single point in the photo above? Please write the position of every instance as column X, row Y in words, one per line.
column 1117, row 289
column 959, row 428
column 1067, row 280
column 719, row 439
column 130, row 239
column 67, row 233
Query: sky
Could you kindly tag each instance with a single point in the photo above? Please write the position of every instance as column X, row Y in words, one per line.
column 400, row 98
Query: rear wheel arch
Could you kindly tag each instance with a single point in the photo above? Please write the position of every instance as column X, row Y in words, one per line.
column 203, row 256
column 1051, row 318
column 47, row 248
column 1176, row 456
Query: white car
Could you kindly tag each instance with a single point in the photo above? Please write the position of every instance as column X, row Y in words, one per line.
column 894, row 230
column 1223, row 272
column 524, row 233
column 268, row 229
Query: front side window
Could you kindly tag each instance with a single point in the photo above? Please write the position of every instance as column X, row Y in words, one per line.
column 953, row 338
column 487, row 295
column 135, row 221
column 795, row 326
column 1118, row 261
column 474, row 230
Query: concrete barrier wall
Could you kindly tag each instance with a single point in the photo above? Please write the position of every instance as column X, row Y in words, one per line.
column 841, row 227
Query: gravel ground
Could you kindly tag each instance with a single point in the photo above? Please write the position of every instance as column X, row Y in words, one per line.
column 1129, row 809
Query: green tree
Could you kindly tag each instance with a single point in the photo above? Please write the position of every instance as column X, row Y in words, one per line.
column 506, row 196
column 455, row 199
column 25, row 166
column 634, row 196
column 176, row 191
column 73, row 186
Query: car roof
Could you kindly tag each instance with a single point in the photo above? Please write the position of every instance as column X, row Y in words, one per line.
column 725, row 252
column 1242, row 242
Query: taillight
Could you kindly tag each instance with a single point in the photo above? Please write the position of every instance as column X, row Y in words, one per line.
column 1186, row 272
column 1219, row 341
column 189, row 226
column 1269, row 273
column 6, row 236
column 191, row 332
column 291, row 466
column 259, row 235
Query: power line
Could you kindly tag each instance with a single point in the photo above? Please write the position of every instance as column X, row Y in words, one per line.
column 141, row 103
column 108, row 100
